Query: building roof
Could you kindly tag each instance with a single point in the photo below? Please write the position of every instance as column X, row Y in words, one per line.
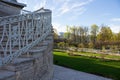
column 13, row 3
column 42, row 10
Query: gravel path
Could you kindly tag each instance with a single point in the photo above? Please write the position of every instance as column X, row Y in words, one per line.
column 61, row 73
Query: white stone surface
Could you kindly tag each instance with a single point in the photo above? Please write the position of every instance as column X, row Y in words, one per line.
column 61, row 73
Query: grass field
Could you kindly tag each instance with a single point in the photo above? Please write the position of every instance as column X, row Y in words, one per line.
column 100, row 67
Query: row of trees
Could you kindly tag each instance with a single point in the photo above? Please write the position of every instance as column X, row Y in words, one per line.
column 93, row 37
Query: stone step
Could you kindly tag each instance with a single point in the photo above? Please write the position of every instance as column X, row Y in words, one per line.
column 22, row 67
column 35, row 53
column 18, row 64
column 37, row 49
column 7, row 75
column 31, row 51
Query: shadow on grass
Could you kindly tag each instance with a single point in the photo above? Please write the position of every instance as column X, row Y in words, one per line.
column 89, row 65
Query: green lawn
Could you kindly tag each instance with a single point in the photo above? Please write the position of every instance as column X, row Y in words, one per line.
column 105, row 68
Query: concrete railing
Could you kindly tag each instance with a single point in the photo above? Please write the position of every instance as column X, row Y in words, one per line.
column 20, row 33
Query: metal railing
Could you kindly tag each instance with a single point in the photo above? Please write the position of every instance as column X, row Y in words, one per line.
column 19, row 33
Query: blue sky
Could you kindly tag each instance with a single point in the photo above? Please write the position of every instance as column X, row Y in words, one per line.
column 79, row 12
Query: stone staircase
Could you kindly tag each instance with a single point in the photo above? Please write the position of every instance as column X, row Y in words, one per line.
column 35, row 64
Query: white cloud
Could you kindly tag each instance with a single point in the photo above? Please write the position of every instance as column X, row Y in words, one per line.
column 115, row 28
column 59, row 27
column 23, row 1
column 40, row 4
column 77, row 12
column 33, row 5
column 90, row 0
column 69, row 6
column 115, row 19
column 58, row 7
column 59, row 1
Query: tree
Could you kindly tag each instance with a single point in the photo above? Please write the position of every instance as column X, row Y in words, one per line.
column 55, row 33
column 118, row 41
column 73, row 33
column 67, row 33
column 81, row 34
column 61, row 45
column 118, row 36
column 91, row 45
column 86, row 37
column 105, row 36
column 77, row 34
column 94, row 31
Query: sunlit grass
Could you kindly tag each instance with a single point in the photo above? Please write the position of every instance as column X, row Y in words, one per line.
column 87, row 64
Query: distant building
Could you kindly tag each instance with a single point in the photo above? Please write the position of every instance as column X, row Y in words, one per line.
column 10, row 7
column 61, row 34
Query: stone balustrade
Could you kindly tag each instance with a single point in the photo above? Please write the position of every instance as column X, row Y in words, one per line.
column 26, row 42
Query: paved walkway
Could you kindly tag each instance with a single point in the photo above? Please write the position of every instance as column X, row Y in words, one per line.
column 61, row 73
